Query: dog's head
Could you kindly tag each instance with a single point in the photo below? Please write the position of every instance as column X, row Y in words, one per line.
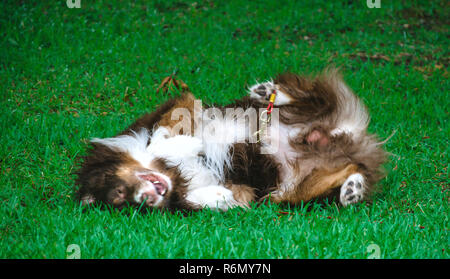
column 120, row 171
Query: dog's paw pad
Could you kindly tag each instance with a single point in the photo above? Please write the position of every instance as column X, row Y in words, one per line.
column 352, row 191
column 262, row 90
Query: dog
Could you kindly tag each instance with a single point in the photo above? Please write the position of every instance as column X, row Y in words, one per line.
column 323, row 150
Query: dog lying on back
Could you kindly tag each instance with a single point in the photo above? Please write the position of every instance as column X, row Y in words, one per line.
column 323, row 150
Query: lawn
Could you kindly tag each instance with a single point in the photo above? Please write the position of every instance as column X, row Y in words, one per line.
column 67, row 75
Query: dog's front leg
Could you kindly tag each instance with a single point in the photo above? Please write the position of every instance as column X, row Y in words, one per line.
column 214, row 197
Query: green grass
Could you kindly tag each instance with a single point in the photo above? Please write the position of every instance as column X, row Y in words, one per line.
column 67, row 75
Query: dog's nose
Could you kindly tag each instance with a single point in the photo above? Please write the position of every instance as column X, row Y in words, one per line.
column 149, row 197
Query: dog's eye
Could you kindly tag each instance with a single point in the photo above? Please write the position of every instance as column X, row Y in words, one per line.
column 119, row 191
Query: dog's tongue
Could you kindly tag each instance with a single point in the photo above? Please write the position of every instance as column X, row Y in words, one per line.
column 160, row 188
column 157, row 181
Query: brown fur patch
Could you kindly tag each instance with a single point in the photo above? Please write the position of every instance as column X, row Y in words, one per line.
column 250, row 167
column 162, row 116
column 186, row 101
column 242, row 193
column 149, row 120
column 313, row 98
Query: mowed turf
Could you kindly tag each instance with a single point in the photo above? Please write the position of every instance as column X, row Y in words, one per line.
column 67, row 75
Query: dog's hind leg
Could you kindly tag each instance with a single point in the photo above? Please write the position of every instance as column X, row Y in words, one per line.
column 319, row 183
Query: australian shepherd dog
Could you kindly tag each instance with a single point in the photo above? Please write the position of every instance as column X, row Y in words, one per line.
column 291, row 140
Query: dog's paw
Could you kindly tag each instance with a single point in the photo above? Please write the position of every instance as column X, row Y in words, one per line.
column 215, row 197
column 353, row 189
column 262, row 92
column 159, row 134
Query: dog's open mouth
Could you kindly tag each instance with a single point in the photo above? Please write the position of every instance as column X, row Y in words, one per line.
column 158, row 182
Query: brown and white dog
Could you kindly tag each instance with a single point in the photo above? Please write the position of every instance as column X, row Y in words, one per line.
column 322, row 149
